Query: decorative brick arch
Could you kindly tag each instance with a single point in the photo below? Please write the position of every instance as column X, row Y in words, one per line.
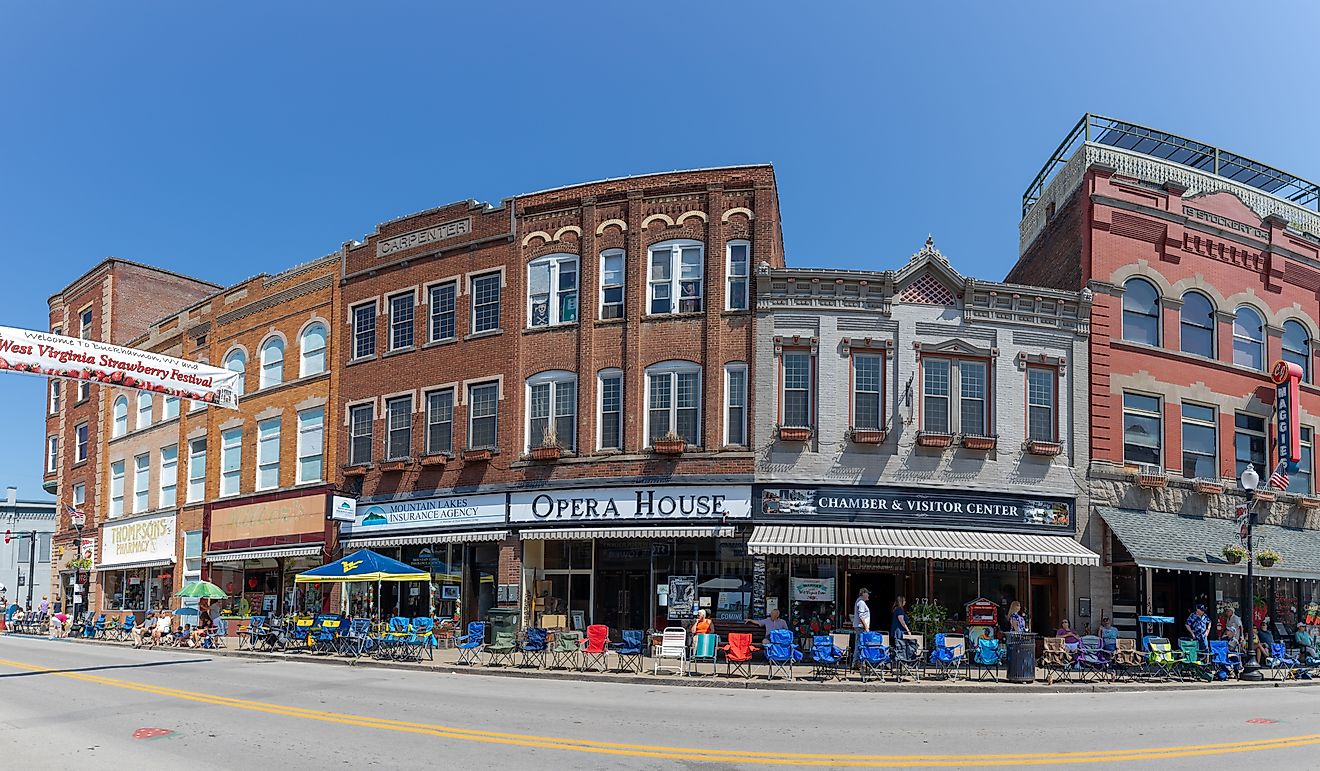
column 600, row 229
column 743, row 210
column 693, row 213
column 665, row 218
column 574, row 229
column 527, row 239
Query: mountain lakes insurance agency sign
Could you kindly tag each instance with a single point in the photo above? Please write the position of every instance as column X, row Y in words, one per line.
column 443, row 513
column 631, row 504
column 142, row 540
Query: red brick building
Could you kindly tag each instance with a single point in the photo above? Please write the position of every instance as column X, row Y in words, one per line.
column 1205, row 269
column 577, row 358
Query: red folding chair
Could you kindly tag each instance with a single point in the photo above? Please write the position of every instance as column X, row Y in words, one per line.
column 738, row 654
column 597, row 648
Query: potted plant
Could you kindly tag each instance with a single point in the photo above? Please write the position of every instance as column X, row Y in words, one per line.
column 1233, row 554
column 670, row 444
column 80, row 564
column 1208, row 486
column 1267, row 557
column 928, row 618
column 549, row 449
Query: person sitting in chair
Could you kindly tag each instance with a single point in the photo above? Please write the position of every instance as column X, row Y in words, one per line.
column 1305, row 643
column 771, row 623
column 142, row 629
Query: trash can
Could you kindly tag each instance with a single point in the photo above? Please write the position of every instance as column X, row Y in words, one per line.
column 502, row 620
column 1021, row 657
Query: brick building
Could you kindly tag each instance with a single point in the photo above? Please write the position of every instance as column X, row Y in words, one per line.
column 1205, row 269
column 918, row 435
column 546, row 402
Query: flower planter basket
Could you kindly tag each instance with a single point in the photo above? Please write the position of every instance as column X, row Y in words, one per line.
column 1308, row 503
column 1040, row 447
column 360, row 470
column 478, row 454
column 435, row 460
column 1152, row 481
column 1268, row 496
column 1265, row 562
column 394, row 466
column 1234, row 554
column 670, row 446
column 794, row 433
column 546, row 453
column 933, row 439
column 1233, row 559
column 979, row 442
column 868, row 436
column 1208, row 487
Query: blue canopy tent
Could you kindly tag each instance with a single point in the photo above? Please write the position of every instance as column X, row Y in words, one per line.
column 364, row 565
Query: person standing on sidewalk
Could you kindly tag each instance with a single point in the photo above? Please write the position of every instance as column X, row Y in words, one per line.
column 861, row 615
column 1198, row 626
column 1016, row 621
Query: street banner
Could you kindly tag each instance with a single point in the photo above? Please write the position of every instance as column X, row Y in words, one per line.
column 72, row 358
column 1288, row 439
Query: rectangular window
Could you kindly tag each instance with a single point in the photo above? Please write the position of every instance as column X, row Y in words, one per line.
column 486, row 303
column 611, row 412
column 676, row 270
column 84, row 391
column 1199, row 442
column 1041, row 424
column 737, row 275
column 171, row 408
column 364, row 331
column 231, row 461
column 55, row 386
column 169, row 476
column 552, row 406
column 955, row 396
column 268, row 454
column 1142, row 432
column 440, row 422
column 360, row 433
column 79, row 494
column 797, row 388
column 196, row 470
column 85, row 324
column 673, row 400
column 402, row 315
column 398, row 428
column 868, row 389
column 1249, row 445
column 144, row 408
column 442, row 311
column 483, row 413
column 971, row 397
column 80, row 443
column 1299, row 481
column 43, row 547
column 52, row 454
column 192, row 556
column 937, row 374
column 311, row 443
column 117, row 489
column 611, row 284
column 552, row 284
column 735, row 406
column 141, row 483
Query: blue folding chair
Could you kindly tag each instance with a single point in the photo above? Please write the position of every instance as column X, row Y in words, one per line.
column 1227, row 664
column 987, row 658
column 469, row 645
column 254, row 635
column 825, row 657
column 871, row 655
column 533, row 647
column 421, row 638
column 631, row 651
column 948, row 655
column 781, row 653
column 1282, row 664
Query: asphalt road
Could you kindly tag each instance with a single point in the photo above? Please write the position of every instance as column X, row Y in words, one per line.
column 67, row 705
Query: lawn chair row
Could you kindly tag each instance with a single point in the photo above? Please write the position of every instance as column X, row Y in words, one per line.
column 1158, row 660
column 399, row 639
column 559, row 650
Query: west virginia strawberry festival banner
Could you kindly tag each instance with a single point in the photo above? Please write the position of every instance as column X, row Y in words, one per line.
column 41, row 353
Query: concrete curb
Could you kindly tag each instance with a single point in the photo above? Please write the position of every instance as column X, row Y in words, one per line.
column 715, row 682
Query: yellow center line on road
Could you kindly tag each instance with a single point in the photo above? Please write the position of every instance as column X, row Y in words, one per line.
column 686, row 753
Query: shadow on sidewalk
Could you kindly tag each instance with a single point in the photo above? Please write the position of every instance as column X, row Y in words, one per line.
column 104, row 667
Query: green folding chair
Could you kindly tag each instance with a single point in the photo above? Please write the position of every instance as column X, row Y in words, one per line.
column 704, row 648
column 1195, row 664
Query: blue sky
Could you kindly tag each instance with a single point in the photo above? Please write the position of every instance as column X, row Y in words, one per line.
column 225, row 140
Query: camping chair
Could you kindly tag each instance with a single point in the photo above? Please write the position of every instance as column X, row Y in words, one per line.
column 948, row 656
column 253, row 634
column 324, row 633
column 705, row 647
column 394, row 640
column 357, row 640
column 501, row 649
column 1093, row 662
column 1126, row 659
column 470, row 644
column 782, row 653
column 1194, row 663
column 738, row 654
column 906, row 655
column 673, row 646
column 1227, row 664
column 986, row 659
column 597, row 648
column 825, row 657
column 871, row 654
column 1160, row 659
column 565, row 650
column 631, row 651
column 1057, row 660
column 844, row 642
column 126, row 628
column 109, row 630
column 421, row 638
column 98, row 628
column 1283, row 665
column 533, row 647
column 298, row 637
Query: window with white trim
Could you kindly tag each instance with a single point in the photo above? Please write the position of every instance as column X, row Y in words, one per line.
column 169, row 476
column 145, row 406
column 236, row 361
column 54, row 396
column 552, row 409
column 361, row 433
column 796, row 392
column 1042, row 425
column 611, row 283
column 398, row 427
column 117, row 489
column 485, row 303
column 80, row 443
column 312, row 350
column 483, row 415
column 231, row 461
column 192, row 557
column 141, row 483
column 311, row 445
column 440, row 421
column 1297, row 347
column 79, row 494
column 196, row 470
column 268, row 454
column 442, row 304
column 1249, row 443
column 402, row 317
column 1199, row 442
column 364, row 330
column 272, row 363
column 954, row 396
column 675, row 277
column 868, row 374
column 673, row 401
column 1143, row 420
column 1197, row 325
column 1248, row 338
column 52, row 454
column 610, row 425
column 170, row 408
column 84, row 391
column 735, row 404
column 552, row 290
column 1299, row 481
column 737, row 272
column 85, row 324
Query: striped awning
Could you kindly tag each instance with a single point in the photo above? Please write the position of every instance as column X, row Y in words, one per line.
column 419, row 539
column 275, row 552
column 136, row 565
column 583, row 533
column 928, row 544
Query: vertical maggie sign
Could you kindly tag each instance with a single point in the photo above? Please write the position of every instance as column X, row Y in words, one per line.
column 1288, row 437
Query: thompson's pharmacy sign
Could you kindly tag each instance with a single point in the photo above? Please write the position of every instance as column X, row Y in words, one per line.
column 142, row 540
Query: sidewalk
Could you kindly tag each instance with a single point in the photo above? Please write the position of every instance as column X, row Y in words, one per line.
column 446, row 663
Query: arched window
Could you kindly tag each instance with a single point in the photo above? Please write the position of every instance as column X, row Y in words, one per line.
column 1248, row 338
column 145, row 406
column 120, row 417
column 552, row 410
column 1197, row 327
column 673, row 401
column 1141, row 312
column 272, row 363
column 1297, row 347
column 311, row 349
column 236, row 361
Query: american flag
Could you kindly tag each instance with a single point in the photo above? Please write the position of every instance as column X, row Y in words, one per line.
column 1279, row 479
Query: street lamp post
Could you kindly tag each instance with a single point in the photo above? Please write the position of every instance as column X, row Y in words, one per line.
column 1250, row 667
column 78, row 519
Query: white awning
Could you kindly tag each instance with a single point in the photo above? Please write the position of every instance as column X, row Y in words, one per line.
column 313, row 550
column 136, row 565
column 928, row 544
column 476, row 536
column 582, row 533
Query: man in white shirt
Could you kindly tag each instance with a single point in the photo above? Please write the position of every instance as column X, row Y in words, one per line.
column 771, row 623
column 861, row 616
column 162, row 627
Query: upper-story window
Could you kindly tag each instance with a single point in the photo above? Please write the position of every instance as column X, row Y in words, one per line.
column 1141, row 312
column 85, row 324
column 1197, row 325
column 169, row 476
column 144, row 410
column 1299, row 481
column 552, row 290
column 272, row 363
column 141, row 483
column 361, row 418
column 402, row 317
column 797, row 380
column 84, row 391
column 737, row 270
column 1248, row 338
column 609, row 426
column 196, row 470
column 54, row 396
column 1042, row 420
column 312, row 350
column 675, row 277
column 231, row 461
column 1249, row 442
column 735, row 404
column 673, row 401
column 440, row 421
column 120, row 417
column 364, row 330
column 486, row 303
column 1199, row 442
column 1142, row 429
column 611, row 283
column 1297, row 346
column 954, row 396
column 52, row 454
column 483, row 415
column 311, row 445
column 398, row 427
column 268, row 454
column 169, row 408
column 236, row 361
column 442, row 303
column 117, row 488
column 868, row 373
column 552, row 410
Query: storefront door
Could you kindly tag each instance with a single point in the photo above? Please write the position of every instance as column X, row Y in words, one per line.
column 1044, row 608
column 622, row 599
column 884, row 588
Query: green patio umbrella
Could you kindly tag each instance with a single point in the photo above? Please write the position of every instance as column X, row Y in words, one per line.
column 202, row 590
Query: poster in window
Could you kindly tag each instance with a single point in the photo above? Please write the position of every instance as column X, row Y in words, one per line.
column 682, row 597
column 449, row 592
